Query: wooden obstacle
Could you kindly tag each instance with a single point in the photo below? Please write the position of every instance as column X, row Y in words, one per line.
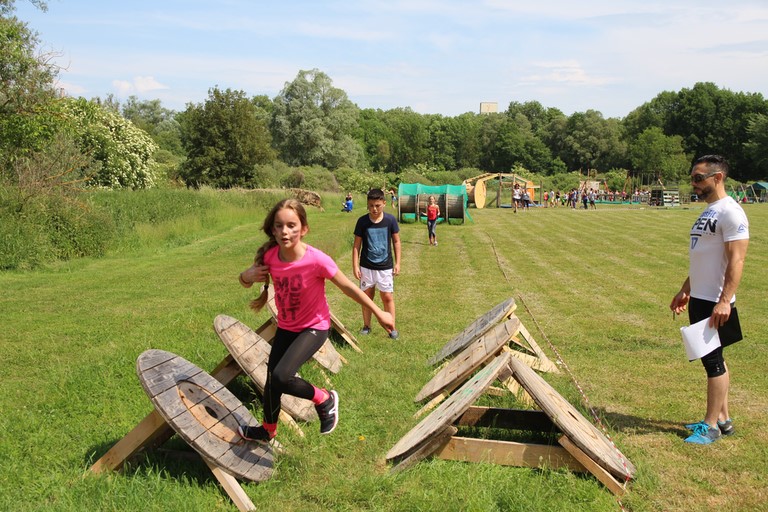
column 154, row 430
column 481, row 350
column 475, row 329
column 581, row 446
column 204, row 413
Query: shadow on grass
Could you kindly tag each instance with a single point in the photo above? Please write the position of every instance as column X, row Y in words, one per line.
column 639, row 426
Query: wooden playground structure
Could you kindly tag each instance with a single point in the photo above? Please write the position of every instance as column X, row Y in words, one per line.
column 477, row 189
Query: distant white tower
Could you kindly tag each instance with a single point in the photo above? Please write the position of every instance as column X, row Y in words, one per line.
column 489, row 107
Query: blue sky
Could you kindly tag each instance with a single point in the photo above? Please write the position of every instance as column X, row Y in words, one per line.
column 437, row 57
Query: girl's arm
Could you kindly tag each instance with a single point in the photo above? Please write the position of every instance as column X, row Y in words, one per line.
column 351, row 290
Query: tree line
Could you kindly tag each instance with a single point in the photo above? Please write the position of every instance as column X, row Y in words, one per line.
column 232, row 139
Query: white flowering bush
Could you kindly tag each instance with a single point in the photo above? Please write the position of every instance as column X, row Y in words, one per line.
column 124, row 151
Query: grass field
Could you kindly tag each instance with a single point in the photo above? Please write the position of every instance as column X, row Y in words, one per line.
column 596, row 283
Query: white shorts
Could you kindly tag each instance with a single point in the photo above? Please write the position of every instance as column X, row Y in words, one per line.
column 381, row 279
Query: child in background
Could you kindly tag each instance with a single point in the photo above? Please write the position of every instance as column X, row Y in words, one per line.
column 432, row 213
column 377, row 239
column 299, row 272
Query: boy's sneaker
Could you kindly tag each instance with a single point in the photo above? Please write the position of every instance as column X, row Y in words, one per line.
column 703, row 434
column 393, row 334
column 328, row 412
column 365, row 331
column 250, row 433
column 726, row 427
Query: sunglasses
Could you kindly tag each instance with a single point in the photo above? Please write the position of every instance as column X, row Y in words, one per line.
column 698, row 178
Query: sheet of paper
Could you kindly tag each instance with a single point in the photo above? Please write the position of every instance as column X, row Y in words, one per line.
column 699, row 339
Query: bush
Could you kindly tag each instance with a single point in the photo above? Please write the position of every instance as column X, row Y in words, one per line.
column 352, row 180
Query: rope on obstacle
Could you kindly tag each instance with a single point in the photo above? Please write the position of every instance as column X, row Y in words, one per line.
column 561, row 362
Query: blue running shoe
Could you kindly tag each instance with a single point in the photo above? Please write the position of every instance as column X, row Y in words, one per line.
column 365, row 331
column 703, row 434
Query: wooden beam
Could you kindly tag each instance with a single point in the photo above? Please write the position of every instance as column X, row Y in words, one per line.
column 425, row 449
column 593, row 467
column 508, row 453
column 232, row 488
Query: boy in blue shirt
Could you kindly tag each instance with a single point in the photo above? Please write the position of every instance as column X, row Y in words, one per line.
column 376, row 256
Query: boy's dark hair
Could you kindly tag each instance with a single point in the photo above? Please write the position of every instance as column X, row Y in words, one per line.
column 375, row 194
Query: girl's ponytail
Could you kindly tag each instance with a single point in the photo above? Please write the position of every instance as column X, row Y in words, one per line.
column 258, row 303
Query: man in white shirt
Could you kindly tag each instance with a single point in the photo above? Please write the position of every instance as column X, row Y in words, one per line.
column 718, row 247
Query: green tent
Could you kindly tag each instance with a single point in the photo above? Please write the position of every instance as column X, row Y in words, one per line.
column 412, row 200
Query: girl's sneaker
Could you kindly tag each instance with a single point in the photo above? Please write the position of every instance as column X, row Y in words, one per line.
column 250, row 433
column 328, row 412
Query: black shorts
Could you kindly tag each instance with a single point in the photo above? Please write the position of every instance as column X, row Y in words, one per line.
column 730, row 332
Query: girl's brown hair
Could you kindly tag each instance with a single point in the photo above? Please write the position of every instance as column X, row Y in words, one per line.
column 292, row 204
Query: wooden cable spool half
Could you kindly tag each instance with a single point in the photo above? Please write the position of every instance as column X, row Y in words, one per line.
column 475, row 330
column 204, row 413
column 251, row 352
column 572, row 423
column 448, row 411
column 474, row 355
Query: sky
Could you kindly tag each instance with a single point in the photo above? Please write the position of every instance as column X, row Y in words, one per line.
column 433, row 56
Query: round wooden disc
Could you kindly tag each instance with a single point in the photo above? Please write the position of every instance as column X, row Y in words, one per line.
column 450, row 410
column 475, row 354
column 204, row 413
column 572, row 423
column 475, row 329
column 327, row 356
column 252, row 353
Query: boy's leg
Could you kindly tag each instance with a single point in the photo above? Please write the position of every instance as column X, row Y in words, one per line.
column 370, row 292
column 388, row 303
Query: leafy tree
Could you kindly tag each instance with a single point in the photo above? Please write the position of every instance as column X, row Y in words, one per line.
column 756, row 148
column 159, row 122
column 27, row 108
column 124, row 151
column 313, row 123
column 592, row 142
column 662, row 154
column 224, row 138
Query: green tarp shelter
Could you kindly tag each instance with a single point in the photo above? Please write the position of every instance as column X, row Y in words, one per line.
column 412, row 200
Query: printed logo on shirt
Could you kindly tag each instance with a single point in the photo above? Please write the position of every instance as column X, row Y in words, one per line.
column 288, row 294
column 742, row 228
column 694, row 241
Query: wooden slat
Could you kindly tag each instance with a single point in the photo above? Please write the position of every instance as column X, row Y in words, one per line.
column 508, row 453
column 474, row 330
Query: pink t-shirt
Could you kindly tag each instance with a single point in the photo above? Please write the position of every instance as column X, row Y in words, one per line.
column 300, row 289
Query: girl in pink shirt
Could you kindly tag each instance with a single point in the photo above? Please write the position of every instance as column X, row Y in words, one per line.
column 298, row 272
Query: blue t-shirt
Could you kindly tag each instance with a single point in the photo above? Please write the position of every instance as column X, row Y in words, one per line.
column 376, row 252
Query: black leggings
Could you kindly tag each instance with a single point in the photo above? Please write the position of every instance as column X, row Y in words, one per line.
column 289, row 351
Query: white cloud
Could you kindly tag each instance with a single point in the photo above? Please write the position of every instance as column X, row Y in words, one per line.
column 567, row 72
column 139, row 85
